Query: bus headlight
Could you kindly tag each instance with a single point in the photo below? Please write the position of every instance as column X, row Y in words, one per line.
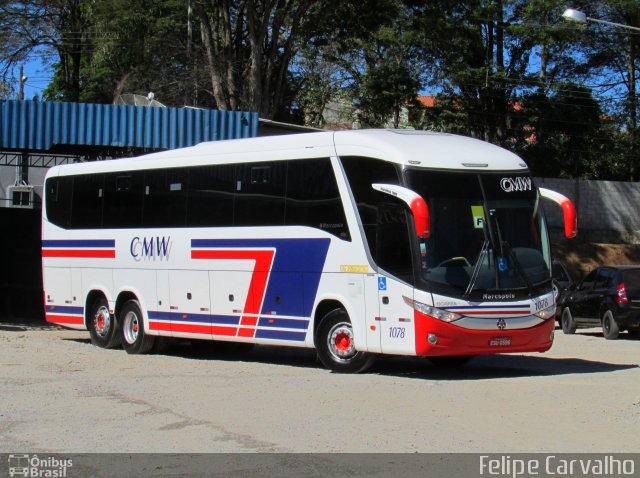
column 547, row 313
column 431, row 311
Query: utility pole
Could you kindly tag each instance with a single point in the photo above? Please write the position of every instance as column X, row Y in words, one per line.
column 21, row 83
column 191, row 97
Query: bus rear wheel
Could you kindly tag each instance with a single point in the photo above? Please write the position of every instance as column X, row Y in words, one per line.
column 103, row 327
column 134, row 338
column 335, row 345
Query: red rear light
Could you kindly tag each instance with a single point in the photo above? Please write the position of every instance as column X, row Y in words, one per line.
column 621, row 294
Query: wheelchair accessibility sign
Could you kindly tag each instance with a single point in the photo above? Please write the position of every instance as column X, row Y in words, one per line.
column 382, row 283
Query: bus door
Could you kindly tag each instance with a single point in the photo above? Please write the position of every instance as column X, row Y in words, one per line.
column 396, row 321
column 372, row 312
column 393, row 255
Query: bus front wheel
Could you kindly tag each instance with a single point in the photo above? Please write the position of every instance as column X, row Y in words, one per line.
column 134, row 338
column 335, row 345
column 103, row 327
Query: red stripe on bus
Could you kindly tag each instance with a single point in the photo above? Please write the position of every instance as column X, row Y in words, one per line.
column 160, row 326
column 94, row 253
column 218, row 330
column 65, row 319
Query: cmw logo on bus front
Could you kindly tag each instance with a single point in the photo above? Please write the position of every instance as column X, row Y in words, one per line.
column 150, row 247
column 515, row 184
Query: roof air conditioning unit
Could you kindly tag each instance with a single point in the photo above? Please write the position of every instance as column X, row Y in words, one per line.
column 21, row 196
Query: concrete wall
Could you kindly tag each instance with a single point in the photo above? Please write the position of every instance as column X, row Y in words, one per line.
column 608, row 211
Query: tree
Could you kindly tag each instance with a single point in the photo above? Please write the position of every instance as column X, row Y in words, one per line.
column 5, row 91
column 130, row 53
column 613, row 62
column 249, row 46
column 59, row 25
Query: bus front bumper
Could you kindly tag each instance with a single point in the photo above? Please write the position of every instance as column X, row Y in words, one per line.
column 437, row 338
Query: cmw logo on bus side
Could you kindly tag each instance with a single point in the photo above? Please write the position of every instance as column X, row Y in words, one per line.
column 150, row 247
column 509, row 185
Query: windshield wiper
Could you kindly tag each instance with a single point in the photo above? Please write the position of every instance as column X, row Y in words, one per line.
column 476, row 269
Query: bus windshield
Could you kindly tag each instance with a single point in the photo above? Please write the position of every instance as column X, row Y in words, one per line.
column 489, row 239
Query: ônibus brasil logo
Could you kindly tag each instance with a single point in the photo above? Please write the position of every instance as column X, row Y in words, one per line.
column 510, row 185
column 35, row 466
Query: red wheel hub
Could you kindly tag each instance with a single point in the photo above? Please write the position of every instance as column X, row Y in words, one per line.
column 343, row 342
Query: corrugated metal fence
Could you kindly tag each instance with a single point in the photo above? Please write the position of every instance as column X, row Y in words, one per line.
column 37, row 126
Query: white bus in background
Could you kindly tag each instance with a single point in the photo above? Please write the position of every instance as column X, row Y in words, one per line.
column 356, row 243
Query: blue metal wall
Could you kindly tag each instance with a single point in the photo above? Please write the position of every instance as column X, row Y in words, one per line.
column 31, row 126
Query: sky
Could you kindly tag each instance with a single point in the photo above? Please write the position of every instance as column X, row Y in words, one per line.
column 39, row 75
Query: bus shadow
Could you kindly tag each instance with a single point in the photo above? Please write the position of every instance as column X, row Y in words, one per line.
column 481, row 368
column 485, row 367
column 287, row 356
column 497, row 366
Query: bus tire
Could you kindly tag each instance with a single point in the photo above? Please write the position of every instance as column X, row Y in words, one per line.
column 134, row 338
column 103, row 327
column 335, row 345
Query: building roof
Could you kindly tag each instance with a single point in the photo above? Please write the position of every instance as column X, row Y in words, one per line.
column 43, row 126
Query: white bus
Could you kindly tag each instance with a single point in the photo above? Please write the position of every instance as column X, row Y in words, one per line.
column 356, row 243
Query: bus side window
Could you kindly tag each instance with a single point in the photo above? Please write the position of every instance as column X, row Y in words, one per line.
column 59, row 191
column 123, row 199
column 165, row 198
column 313, row 198
column 210, row 201
column 361, row 174
column 383, row 220
column 88, row 195
column 259, row 194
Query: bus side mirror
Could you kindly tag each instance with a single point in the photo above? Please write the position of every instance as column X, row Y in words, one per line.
column 568, row 210
column 416, row 203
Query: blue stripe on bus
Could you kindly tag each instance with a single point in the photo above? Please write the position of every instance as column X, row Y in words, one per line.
column 65, row 309
column 79, row 243
column 283, row 323
column 280, row 335
column 202, row 318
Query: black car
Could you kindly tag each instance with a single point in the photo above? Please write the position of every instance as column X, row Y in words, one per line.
column 608, row 296
column 560, row 275
column 562, row 283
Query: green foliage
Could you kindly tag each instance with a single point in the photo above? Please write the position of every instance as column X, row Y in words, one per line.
column 5, row 91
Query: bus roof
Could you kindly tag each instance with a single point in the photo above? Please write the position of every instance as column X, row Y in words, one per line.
column 407, row 147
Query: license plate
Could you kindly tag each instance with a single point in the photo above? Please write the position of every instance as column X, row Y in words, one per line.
column 499, row 341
